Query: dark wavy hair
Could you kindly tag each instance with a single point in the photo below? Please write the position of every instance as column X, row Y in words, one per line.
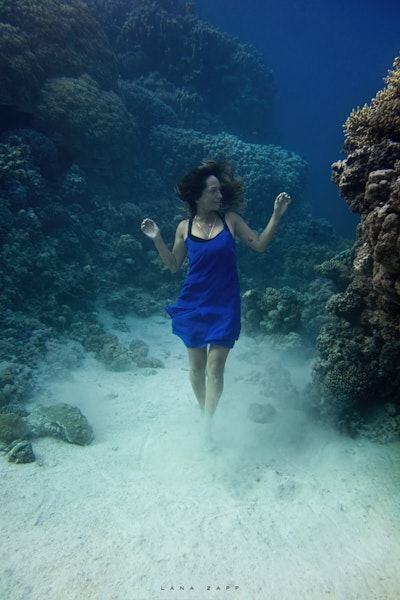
column 191, row 186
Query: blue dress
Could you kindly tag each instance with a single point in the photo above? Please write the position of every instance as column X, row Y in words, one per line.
column 207, row 310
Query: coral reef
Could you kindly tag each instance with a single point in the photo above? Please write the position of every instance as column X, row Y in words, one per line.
column 54, row 39
column 20, row 452
column 16, row 380
column 358, row 371
column 20, row 69
column 380, row 120
column 19, row 177
column 109, row 351
column 115, row 356
column 274, row 311
column 86, row 72
column 91, row 124
column 338, row 269
column 140, row 351
column 265, row 170
column 152, row 109
column 231, row 78
column 72, row 67
column 41, row 151
column 61, row 421
column 12, row 427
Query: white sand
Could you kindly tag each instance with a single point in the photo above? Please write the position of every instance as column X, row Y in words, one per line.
column 282, row 511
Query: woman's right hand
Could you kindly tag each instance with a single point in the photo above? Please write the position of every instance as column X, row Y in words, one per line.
column 150, row 228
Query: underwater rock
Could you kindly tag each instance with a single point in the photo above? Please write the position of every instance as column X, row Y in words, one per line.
column 79, row 46
column 139, row 348
column 12, row 427
column 357, row 372
column 20, row 81
column 87, row 122
column 115, row 356
column 338, row 269
column 43, row 153
column 20, row 452
column 150, row 362
column 200, row 60
column 109, row 351
column 61, row 421
column 378, row 426
column 152, row 109
column 177, row 149
column 74, row 185
column 274, row 311
column 13, row 407
column 261, row 413
column 348, row 306
column 20, row 178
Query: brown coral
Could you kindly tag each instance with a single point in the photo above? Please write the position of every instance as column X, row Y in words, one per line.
column 369, row 181
column 379, row 120
column 20, row 71
column 87, row 122
column 63, row 39
column 231, row 78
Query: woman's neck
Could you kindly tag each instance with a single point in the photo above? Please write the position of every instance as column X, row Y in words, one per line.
column 205, row 216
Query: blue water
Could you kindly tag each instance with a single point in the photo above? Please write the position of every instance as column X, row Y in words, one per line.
column 327, row 58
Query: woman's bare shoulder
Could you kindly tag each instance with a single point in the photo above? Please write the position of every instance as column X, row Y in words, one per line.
column 183, row 224
column 182, row 228
column 232, row 216
column 232, row 219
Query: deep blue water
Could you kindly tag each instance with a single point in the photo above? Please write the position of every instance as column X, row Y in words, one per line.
column 327, row 58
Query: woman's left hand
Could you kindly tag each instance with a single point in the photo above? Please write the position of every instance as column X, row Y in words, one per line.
column 281, row 203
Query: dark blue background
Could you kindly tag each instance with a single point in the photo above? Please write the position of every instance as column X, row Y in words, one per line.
column 327, row 58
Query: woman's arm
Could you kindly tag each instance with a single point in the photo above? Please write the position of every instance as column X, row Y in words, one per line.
column 259, row 242
column 173, row 260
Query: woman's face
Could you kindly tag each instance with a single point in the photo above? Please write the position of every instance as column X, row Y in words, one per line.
column 211, row 196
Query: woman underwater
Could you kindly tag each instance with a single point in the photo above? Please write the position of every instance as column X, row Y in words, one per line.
column 206, row 315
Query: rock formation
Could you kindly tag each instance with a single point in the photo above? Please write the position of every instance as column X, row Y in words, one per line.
column 358, row 372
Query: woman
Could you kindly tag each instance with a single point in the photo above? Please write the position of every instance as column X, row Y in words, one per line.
column 206, row 315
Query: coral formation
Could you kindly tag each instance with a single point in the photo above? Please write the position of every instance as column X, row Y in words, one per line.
column 63, row 40
column 16, row 380
column 109, row 351
column 12, row 427
column 359, row 366
column 380, row 120
column 21, row 73
column 274, row 311
column 20, row 452
column 91, row 124
column 231, row 78
column 62, row 421
column 265, row 169
column 337, row 269
column 153, row 110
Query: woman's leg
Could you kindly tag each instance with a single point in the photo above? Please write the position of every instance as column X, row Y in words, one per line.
column 215, row 367
column 206, row 372
column 197, row 373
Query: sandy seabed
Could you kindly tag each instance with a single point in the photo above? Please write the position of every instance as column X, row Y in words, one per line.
column 287, row 510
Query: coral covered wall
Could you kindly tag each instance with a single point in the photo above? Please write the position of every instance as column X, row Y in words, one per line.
column 359, row 367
